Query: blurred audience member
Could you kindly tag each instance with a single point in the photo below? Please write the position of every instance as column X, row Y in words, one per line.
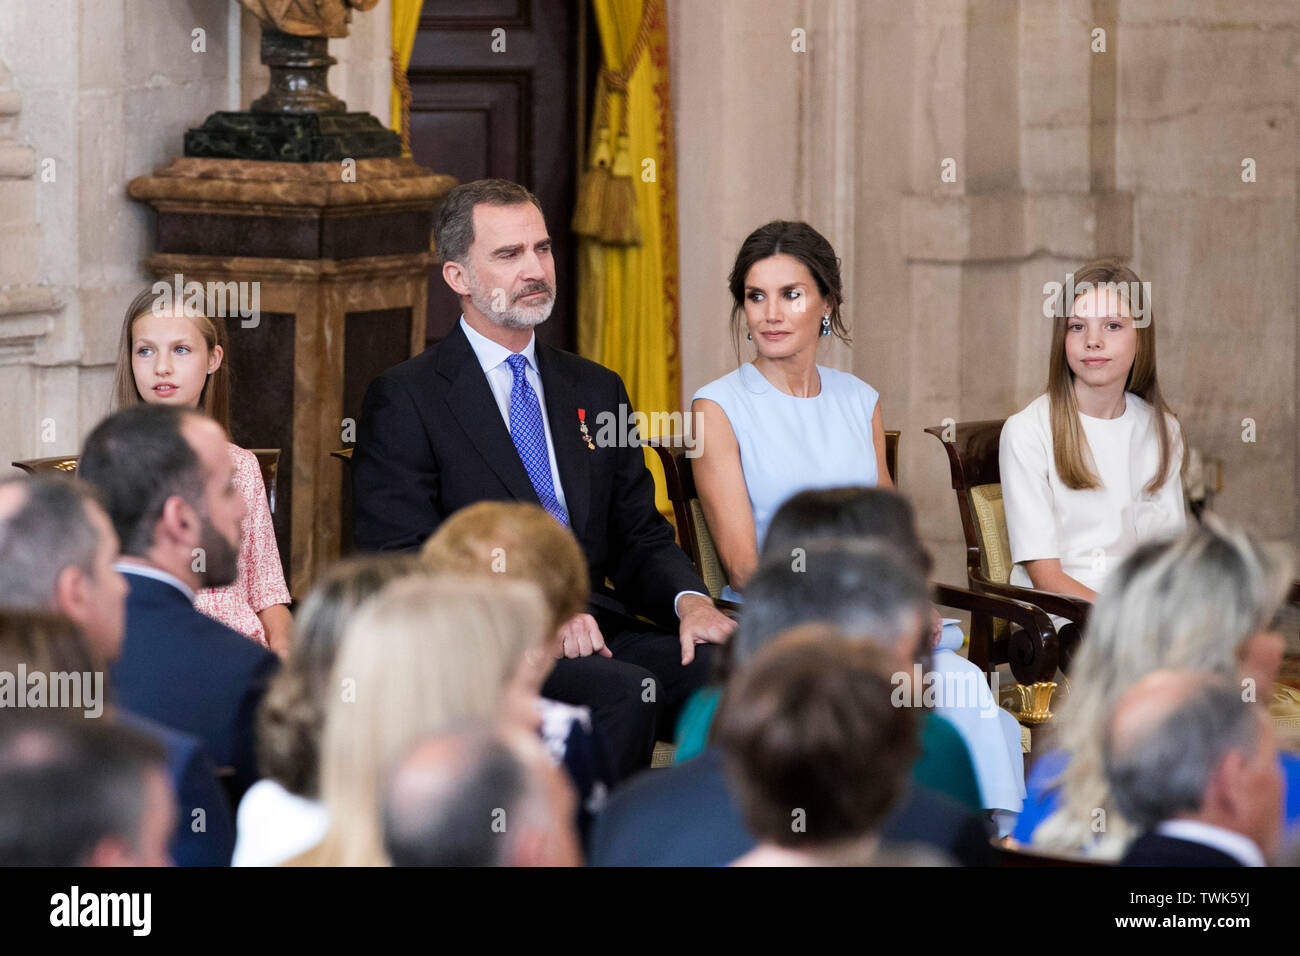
column 282, row 815
column 422, row 657
column 522, row 541
column 167, row 481
column 687, row 814
column 480, row 800
column 816, row 748
column 82, row 793
column 965, row 706
column 1194, row 769
column 57, row 548
column 1204, row 602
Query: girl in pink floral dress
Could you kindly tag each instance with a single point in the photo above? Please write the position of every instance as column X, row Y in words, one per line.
column 172, row 355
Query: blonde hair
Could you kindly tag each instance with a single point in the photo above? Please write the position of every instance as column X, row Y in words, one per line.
column 293, row 712
column 214, row 399
column 422, row 657
column 1191, row 604
column 514, row 540
column 1069, row 444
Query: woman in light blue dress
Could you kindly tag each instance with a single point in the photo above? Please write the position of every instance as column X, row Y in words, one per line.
column 781, row 423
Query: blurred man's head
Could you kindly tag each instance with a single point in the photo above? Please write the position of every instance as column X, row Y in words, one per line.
column 57, row 549
column 1186, row 746
column 865, row 590
column 480, row 799
column 168, row 481
column 79, row 792
column 813, row 742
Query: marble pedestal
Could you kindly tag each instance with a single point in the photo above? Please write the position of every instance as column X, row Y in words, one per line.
column 340, row 255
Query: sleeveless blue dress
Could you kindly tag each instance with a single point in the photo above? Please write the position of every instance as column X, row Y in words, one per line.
column 789, row 444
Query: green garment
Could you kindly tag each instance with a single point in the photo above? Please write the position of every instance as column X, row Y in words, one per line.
column 944, row 763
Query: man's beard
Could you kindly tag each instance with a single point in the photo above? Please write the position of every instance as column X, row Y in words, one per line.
column 512, row 314
column 220, row 556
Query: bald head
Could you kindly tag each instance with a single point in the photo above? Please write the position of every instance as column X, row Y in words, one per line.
column 479, row 799
column 1183, row 745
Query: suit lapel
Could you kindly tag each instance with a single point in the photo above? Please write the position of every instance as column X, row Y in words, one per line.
column 471, row 401
column 571, row 452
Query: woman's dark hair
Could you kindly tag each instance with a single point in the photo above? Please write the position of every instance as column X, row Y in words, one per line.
column 851, row 513
column 799, row 241
column 293, row 713
column 817, row 516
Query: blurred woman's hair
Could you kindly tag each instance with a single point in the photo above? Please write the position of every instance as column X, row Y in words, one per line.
column 850, row 513
column 293, row 712
column 1192, row 603
column 422, row 657
column 514, row 540
column 48, row 643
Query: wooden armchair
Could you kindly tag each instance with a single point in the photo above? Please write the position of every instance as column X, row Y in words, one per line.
column 972, row 449
column 268, row 460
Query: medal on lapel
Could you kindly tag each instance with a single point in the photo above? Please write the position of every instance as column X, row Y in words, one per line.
column 582, row 427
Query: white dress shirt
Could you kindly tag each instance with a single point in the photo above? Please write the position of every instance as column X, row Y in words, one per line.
column 492, row 357
column 1238, row 846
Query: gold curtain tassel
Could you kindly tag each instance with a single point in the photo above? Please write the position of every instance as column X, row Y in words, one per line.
column 588, row 213
column 619, row 225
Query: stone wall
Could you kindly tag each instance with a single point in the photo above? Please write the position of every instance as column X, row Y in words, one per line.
column 1061, row 153
column 91, row 96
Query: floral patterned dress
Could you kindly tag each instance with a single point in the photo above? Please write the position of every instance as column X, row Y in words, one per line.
column 261, row 578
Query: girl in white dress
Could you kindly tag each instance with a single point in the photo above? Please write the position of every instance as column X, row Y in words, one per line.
column 1091, row 468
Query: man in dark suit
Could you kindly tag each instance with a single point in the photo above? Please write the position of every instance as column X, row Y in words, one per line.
column 489, row 413
column 57, row 553
column 1195, row 768
column 167, row 480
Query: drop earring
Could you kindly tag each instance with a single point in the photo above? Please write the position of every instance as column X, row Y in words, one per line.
column 826, row 324
column 749, row 336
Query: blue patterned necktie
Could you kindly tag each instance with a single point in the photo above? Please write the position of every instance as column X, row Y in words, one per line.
column 529, row 436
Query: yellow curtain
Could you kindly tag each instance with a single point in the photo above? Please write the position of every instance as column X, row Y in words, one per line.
column 406, row 20
column 627, row 270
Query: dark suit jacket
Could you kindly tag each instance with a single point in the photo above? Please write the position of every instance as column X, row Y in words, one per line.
column 195, row 781
column 685, row 815
column 1154, row 849
column 431, row 440
column 192, row 674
